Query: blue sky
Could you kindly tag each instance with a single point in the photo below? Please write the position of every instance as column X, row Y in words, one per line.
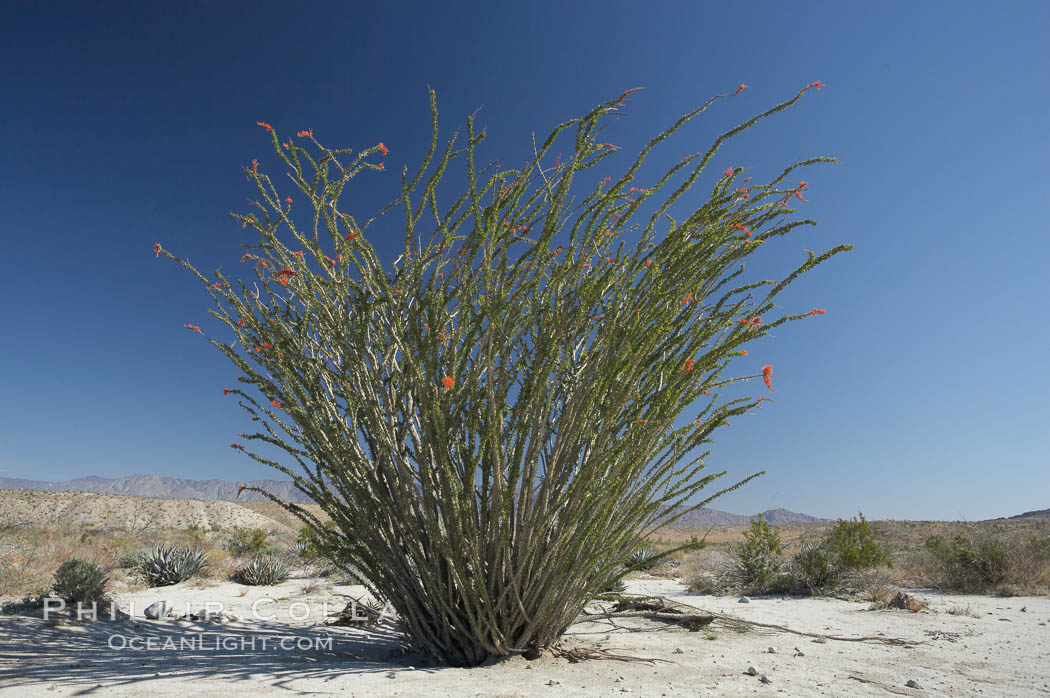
column 921, row 394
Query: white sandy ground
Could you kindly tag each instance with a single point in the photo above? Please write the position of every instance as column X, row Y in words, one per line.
column 1004, row 651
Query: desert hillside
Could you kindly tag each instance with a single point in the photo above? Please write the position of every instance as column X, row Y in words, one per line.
column 110, row 511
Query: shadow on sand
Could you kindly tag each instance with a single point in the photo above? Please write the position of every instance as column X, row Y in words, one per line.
column 84, row 656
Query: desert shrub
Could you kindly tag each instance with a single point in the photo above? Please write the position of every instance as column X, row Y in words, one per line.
column 758, row 558
column 814, row 568
column 167, row 565
column 491, row 421
column 133, row 559
column 264, row 570
column 852, row 546
column 247, row 541
column 974, row 563
column 28, row 602
column 80, row 581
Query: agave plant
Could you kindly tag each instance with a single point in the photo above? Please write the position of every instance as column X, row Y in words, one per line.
column 264, row 570
column 167, row 565
column 642, row 558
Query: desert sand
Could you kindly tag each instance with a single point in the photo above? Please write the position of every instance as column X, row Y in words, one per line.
column 987, row 646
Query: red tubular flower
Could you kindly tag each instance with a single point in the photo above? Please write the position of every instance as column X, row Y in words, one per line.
column 350, row 236
column 280, row 356
column 275, row 404
column 288, row 200
column 284, row 145
column 298, row 253
column 648, row 263
column 217, row 284
column 743, row 352
column 225, row 391
column 266, row 345
column 263, row 262
column 756, row 321
column 240, row 323
column 283, row 280
column 329, row 259
column 741, row 226
column 305, row 134
column 246, row 256
column 817, row 311
column 265, row 125
column 287, row 272
column 447, row 382
column 803, row 184
column 607, row 179
column 728, row 172
column 156, row 249
column 741, row 88
column 382, row 166
column 192, row 327
column 255, row 166
column 688, row 297
column 688, row 366
column 767, row 376
column 237, row 446
column 383, row 149
column 639, row 421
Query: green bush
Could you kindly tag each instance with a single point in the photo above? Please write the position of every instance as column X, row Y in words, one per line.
column 814, row 569
column 247, row 541
column 80, row 581
column 264, row 570
column 133, row 559
column 757, row 560
column 977, row 564
column 164, row 566
column 851, row 545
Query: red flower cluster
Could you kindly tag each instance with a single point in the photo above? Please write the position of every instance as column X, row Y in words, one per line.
column 447, row 382
column 156, row 249
column 817, row 84
column 192, row 327
column 265, row 125
column 305, row 134
column 817, row 311
column 383, row 149
column 688, row 366
column 255, row 166
column 741, row 88
column 298, row 253
column 246, row 256
column 754, row 322
column 287, row 272
column 237, row 446
column 767, row 376
column 225, row 391
column 288, row 200
column 688, row 297
column 275, row 404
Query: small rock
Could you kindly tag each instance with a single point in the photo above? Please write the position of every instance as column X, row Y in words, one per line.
column 912, row 683
column 1024, row 609
column 765, row 679
column 552, row 682
column 744, row 599
column 158, row 610
column 771, row 651
column 679, row 650
column 751, row 671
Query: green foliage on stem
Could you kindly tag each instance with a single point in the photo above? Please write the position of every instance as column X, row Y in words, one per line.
column 490, row 421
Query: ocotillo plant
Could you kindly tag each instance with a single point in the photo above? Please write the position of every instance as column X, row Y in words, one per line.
column 490, row 419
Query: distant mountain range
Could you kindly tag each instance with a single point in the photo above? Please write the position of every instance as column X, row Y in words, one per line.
column 221, row 490
column 164, row 487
